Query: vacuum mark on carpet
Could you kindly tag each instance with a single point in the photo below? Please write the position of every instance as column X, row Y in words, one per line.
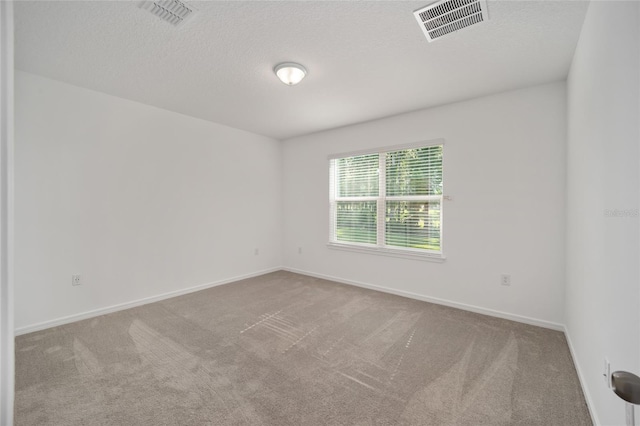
column 285, row 322
column 406, row 346
column 287, row 335
column 410, row 339
column 155, row 347
column 333, row 346
column 52, row 349
column 282, row 327
column 357, row 381
column 267, row 317
column 86, row 362
column 300, row 339
column 27, row 348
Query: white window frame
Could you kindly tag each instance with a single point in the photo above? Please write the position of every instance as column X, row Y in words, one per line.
column 380, row 248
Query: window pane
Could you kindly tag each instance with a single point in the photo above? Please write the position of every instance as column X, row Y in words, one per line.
column 413, row 224
column 356, row 222
column 357, row 176
column 414, row 171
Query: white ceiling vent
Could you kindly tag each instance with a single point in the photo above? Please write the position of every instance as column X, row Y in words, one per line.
column 174, row 12
column 447, row 16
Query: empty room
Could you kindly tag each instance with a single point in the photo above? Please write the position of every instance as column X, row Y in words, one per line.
column 320, row 212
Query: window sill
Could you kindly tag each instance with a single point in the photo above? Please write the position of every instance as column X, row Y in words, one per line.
column 406, row 254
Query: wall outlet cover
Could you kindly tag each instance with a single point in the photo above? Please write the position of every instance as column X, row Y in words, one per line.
column 505, row 279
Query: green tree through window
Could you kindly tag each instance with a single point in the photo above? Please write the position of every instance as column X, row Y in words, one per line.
column 388, row 199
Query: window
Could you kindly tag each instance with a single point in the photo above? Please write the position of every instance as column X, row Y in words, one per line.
column 388, row 201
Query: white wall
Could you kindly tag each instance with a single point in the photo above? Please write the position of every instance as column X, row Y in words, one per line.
column 603, row 290
column 6, row 214
column 504, row 166
column 138, row 200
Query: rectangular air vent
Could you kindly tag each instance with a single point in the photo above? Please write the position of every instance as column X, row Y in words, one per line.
column 447, row 16
column 174, row 12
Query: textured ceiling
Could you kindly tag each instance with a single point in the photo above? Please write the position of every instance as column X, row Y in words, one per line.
column 366, row 59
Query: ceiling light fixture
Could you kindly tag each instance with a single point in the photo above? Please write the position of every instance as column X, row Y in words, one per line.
column 290, row 73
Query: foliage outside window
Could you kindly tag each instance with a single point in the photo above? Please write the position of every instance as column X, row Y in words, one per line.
column 388, row 200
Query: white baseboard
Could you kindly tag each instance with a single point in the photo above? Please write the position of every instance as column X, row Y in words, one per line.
column 146, row 300
column 133, row 304
column 463, row 306
column 583, row 383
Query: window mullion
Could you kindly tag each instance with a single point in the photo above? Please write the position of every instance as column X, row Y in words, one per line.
column 333, row 189
column 382, row 191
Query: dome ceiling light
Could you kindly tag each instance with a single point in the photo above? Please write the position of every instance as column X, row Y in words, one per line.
column 290, row 73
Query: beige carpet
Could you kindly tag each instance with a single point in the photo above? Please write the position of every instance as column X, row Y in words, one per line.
column 285, row 349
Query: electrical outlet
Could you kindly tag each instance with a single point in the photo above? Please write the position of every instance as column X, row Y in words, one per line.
column 505, row 279
column 607, row 372
column 75, row 279
column 299, row 250
column 256, row 251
